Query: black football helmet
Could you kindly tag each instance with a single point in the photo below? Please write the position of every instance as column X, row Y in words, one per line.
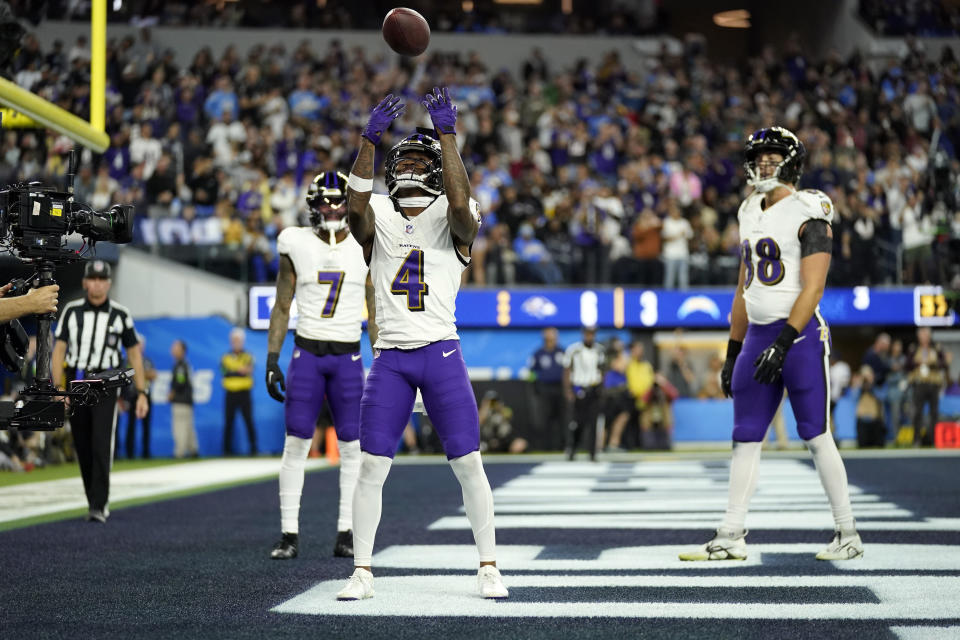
column 326, row 198
column 429, row 177
column 774, row 140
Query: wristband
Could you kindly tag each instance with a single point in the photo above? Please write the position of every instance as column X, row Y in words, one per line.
column 143, row 391
column 733, row 349
column 787, row 335
column 358, row 184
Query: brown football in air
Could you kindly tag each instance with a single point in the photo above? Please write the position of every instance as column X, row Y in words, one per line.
column 406, row 31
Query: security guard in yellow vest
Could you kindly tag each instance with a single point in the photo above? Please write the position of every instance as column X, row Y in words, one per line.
column 237, row 369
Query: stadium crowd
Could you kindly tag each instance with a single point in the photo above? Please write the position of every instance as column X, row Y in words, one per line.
column 938, row 18
column 617, row 17
column 594, row 174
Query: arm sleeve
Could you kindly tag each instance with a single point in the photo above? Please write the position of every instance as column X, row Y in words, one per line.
column 814, row 238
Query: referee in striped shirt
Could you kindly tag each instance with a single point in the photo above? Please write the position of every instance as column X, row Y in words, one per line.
column 88, row 340
column 582, row 377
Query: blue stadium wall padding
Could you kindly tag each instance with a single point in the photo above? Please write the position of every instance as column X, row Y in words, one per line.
column 500, row 354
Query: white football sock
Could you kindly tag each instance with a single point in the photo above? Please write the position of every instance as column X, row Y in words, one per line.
column 744, row 465
column 349, row 470
column 294, row 459
column 833, row 477
column 478, row 502
column 367, row 502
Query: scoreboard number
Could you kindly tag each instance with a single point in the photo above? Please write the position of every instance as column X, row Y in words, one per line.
column 931, row 307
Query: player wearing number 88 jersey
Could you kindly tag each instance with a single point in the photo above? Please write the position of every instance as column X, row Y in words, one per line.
column 779, row 340
column 417, row 241
column 771, row 251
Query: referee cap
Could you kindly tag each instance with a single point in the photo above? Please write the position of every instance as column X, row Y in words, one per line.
column 97, row 269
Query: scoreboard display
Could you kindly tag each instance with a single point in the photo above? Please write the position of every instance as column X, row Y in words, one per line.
column 932, row 308
column 636, row 308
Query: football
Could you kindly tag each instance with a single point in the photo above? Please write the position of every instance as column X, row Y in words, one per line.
column 406, row 31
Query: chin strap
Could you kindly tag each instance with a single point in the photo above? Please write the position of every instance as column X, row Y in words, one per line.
column 765, row 186
column 333, row 238
column 415, row 201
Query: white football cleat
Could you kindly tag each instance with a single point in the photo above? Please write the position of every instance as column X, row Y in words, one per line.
column 725, row 545
column 843, row 547
column 358, row 587
column 490, row 583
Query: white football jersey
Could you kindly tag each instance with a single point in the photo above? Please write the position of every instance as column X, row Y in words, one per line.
column 770, row 248
column 331, row 282
column 416, row 270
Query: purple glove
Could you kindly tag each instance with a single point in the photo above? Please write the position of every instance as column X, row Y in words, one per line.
column 441, row 110
column 389, row 109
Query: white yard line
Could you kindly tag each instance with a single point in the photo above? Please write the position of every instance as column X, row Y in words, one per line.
column 53, row 496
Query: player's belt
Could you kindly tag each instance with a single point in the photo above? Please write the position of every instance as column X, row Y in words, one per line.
column 326, row 347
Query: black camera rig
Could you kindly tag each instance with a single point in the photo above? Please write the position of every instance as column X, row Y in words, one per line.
column 35, row 220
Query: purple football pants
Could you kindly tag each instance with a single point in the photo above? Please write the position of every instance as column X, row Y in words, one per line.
column 439, row 371
column 805, row 376
column 310, row 378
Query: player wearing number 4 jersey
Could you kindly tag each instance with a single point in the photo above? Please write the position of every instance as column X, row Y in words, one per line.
column 325, row 266
column 417, row 241
column 778, row 339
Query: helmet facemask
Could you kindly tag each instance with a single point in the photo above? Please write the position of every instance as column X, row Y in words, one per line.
column 404, row 172
column 326, row 201
column 774, row 140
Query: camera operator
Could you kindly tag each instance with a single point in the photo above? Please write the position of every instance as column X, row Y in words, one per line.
column 88, row 340
column 39, row 300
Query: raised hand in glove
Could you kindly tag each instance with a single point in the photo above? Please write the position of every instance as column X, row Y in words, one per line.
column 726, row 374
column 769, row 364
column 441, row 109
column 275, row 377
column 389, row 109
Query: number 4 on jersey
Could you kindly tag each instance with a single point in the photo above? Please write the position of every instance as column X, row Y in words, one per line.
column 409, row 281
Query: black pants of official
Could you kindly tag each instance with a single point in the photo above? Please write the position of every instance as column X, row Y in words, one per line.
column 586, row 410
column 924, row 394
column 93, row 430
column 552, row 419
column 871, row 433
column 238, row 400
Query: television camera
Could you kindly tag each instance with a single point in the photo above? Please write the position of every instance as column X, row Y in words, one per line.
column 35, row 221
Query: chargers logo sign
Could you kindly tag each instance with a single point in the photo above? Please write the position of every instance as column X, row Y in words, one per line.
column 703, row 304
column 539, row 307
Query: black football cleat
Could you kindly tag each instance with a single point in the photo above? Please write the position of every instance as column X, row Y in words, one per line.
column 344, row 546
column 286, row 549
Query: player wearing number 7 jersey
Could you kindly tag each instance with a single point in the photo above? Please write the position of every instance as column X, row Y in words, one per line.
column 417, row 242
column 324, row 265
column 778, row 339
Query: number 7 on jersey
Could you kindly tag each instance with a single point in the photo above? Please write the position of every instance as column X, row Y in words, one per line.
column 335, row 280
column 409, row 281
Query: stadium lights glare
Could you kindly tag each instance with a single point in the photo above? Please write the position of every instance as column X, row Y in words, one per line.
column 735, row 19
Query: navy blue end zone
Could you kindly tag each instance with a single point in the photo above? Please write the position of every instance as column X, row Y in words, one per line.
column 199, row 566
